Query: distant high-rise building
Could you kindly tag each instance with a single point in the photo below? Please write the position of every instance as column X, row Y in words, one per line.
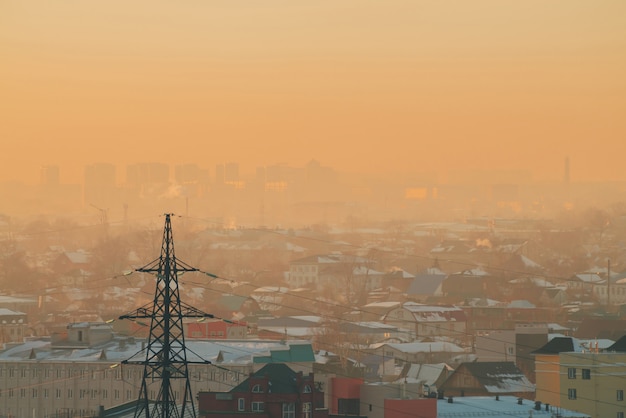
column 100, row 183
column 147, row 173
column 227, row 173
column 49, row 175
column 231, row 172
column 186, row 173
column 566, row 174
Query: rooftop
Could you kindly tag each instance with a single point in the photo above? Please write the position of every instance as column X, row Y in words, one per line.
column 506, row 406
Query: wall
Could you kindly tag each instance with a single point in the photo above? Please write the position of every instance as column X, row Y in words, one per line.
column 410, row 408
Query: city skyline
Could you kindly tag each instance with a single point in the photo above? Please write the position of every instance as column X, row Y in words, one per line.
column 376, row 88
column 53, row 173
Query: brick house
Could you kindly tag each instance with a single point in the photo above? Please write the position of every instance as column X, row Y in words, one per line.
column 273, row 391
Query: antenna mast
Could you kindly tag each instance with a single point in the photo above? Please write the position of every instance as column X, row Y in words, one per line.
column 166, row 356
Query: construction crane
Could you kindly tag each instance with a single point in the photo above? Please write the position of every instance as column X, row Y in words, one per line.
column 165, row 353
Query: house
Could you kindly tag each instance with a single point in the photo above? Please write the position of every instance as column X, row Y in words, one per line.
column 351, row 273
column 582, row 283
column 429, row 376
column 415, row 352
column 373, row 311
column 275, row 390
column 215, row 329
column 368, row 332
column 302, row 326
column 13, row 326
column 456, row 253
column 429, row 321
column 489, row 316
column 230, row 306
column 426, row 285
column 488, row 379
column 474, row 283
column 74, row 267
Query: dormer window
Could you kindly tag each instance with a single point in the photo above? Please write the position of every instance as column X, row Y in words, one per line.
column 306, row 389
column 257, row 389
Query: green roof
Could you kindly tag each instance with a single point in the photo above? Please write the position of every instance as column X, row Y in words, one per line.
column 281, row 378
column 294, row 353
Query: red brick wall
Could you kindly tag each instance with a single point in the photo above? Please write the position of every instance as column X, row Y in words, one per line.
column 411, row 408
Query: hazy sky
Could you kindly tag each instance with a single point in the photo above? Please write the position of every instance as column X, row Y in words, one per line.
column 359, row 85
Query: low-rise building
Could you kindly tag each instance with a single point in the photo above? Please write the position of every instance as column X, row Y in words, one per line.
column 80, row 370
column 488, row 379
column 589, row 380
column 429, row 321
column 273, row 391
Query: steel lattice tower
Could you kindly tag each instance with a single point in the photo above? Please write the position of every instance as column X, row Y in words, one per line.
column 166, row 356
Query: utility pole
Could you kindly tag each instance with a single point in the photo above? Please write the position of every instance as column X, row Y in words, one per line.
column 608, row 286
column 166, row 356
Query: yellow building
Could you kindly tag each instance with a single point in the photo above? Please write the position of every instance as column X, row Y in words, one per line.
column 583, row 376
column 593, row 383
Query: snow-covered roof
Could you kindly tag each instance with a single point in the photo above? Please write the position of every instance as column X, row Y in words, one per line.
column 425, row 373
column 420, row 347
column 386, row 304
column 588, row 277
column 521, row 304
column 506, row 406
column 9, row 312
column 120, row 349
column 434, row 313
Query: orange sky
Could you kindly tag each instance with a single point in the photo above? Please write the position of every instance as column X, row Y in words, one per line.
column 393, row 86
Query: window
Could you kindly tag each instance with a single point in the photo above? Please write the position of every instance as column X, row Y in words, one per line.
column 620, row 395
column 586, row 374
column 307, row 389
column 571, row 373
column 306, row 410
column 620, row 415
column 258, row 406
column 241, row 404
column 348, row 406
column 571, row 394
column 257, row 389
column 289, row 410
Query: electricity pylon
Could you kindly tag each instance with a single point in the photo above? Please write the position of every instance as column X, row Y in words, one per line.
column 166, row 356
